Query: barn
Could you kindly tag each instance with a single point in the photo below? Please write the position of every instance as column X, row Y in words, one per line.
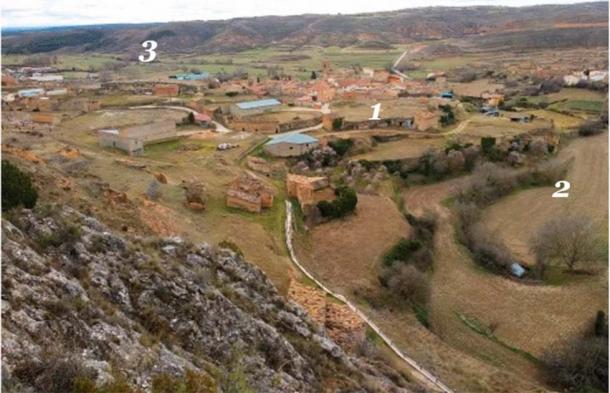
column 291, row 145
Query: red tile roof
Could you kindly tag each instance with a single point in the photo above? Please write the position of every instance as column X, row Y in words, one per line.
column 202, row 117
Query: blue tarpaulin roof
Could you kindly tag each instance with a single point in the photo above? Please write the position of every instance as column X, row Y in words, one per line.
column 517, row 270
column 298, row 139
column 258, row 103
column 193, row 76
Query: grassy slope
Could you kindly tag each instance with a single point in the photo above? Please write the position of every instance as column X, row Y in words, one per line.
column 529, row 318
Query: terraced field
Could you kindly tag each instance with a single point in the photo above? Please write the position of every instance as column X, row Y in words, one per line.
column 527, row 318
column 516, row 217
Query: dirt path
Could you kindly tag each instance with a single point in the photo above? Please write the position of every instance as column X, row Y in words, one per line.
column 531, row 318
column 425, row 377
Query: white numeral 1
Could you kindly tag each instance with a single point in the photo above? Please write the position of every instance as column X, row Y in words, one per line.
column 151, row 51
column 563, row 186
column 376, row 110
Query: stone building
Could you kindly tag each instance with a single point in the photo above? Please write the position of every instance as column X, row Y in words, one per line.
column 248, row 192
column 425, row 120
column 308, row 190
column 291, row 145
column 132, row 139
column 166, row 90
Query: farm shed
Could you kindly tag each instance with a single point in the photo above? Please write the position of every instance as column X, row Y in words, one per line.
column 114, row 138
column 30, row 92
column 248, row 108
column 291, row 145
column 132, row 139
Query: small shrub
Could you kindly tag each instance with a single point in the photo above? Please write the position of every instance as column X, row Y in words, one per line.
column 231, row 246
column 601, row 324
column 579, row 364
column 344, row 204
column 55, row 375
column 487, row 143
column 66, row 235
column 407, row 284
column 401, row 251
column 17, row 188
column 590, row 127
column 341, row 146
column 337, row 123
column 447, row 116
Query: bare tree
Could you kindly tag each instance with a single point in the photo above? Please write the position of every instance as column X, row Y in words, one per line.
column 407, row 283
column 569, row 240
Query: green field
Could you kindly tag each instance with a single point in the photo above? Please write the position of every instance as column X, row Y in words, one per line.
column 300, row 62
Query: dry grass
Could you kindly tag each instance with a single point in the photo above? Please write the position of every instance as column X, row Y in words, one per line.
column 530, row 318
column 561, row 120
column 480, row 126
column 401, row 149
column 475, row 88
column 345, row 253
column 513, row 220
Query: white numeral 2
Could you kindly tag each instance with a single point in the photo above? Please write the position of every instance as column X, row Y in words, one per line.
column 563, row 186
column 376, row 110
column 151, row 51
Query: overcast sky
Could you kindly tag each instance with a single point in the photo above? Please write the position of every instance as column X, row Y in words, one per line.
column 21, row 13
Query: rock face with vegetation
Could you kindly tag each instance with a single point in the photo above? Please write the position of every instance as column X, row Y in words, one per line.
column 86, row 310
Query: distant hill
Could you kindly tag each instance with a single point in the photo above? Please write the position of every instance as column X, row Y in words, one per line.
column 500, row 25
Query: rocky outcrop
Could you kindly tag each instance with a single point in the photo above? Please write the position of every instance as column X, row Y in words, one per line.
column 137, row 309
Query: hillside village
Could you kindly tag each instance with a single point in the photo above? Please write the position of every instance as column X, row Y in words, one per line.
column 414, row 185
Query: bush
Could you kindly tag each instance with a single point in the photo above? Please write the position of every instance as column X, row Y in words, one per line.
column 601, row 324
column 337, row 123
column 17, row 188
column 487, row 143
column 341, row 146
column 591, row 127
column 401, row 251
column 344, row 204
column 579, row 365
column 407, row 284
column 192, row 382
column 447, row 117
column 66, row 235
column 231, row 246
column 55, row 375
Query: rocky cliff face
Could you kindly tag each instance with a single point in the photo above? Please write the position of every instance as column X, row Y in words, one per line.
column 86, row 309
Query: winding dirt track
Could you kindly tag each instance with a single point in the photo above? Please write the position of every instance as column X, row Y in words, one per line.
column 531, row 318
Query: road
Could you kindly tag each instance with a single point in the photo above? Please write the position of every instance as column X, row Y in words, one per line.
column 397, row 62
column 223, row 130
column 423, row 375
column 219, row 127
